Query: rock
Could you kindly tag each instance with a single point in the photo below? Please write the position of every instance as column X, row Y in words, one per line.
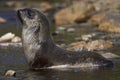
column 78, row 39
column 97, row 18
column 16, row 39
column 77, row 46
column 10, row 3
column 2, row 20
column 90, row 46
column 109, row 55
column 61, row 28
column 107, row 21
column 71, row 30
column 77, row 12
column 20, row 4
column 7, row 37
column 86, row 37
column 57, row 32
column 61, row 45
column 10, row 73
column 45, row 6
column 11, row 46
column 107, row 5
column 110, row 26
column 98, row 45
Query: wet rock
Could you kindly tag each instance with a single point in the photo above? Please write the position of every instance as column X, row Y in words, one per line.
column 16, row 39
column 90, row 46
column 45, row 6
column 107, row 5
column 107, row 21
column 7, row 37
column 109, row 55
column 57, row 33
column 61, row 45
column 99, row 45
column 19, row 4
column 77, row 46
column 2, row 20
column 61, row 28
column 110, row 26
column 87, row 37
column 11, row 46
column 42, row 6
column 97, row 18
column 10, row 3
column 10, row 73
column 78, row 39
column 71, row 30
column 77, row 12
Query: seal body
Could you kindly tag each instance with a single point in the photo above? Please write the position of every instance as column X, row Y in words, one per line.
column 41, row 51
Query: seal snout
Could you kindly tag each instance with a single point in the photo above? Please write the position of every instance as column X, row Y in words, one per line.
column 22, row 13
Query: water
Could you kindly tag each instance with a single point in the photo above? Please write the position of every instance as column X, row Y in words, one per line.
column 15, row 60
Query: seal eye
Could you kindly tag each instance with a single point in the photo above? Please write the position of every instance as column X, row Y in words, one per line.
column 30, row 14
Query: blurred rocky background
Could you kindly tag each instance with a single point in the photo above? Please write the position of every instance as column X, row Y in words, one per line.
column 75, row 24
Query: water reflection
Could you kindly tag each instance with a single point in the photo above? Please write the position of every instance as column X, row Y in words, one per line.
column 104, row 74
column 72, row 74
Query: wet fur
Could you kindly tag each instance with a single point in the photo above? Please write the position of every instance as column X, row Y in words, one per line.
column 41, row 51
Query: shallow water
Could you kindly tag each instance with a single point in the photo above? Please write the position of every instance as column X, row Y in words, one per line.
column 15, row 60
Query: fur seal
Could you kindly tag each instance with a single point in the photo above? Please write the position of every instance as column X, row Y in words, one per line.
column 40, row 49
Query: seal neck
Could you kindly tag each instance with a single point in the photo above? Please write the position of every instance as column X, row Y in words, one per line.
column 37, row 35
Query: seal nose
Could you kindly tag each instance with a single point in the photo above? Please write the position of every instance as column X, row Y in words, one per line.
column 20, row 11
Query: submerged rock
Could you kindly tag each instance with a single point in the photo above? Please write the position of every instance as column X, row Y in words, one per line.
column 10, row 73
column 77, row 12
column 109, row 55
column 11, row 46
